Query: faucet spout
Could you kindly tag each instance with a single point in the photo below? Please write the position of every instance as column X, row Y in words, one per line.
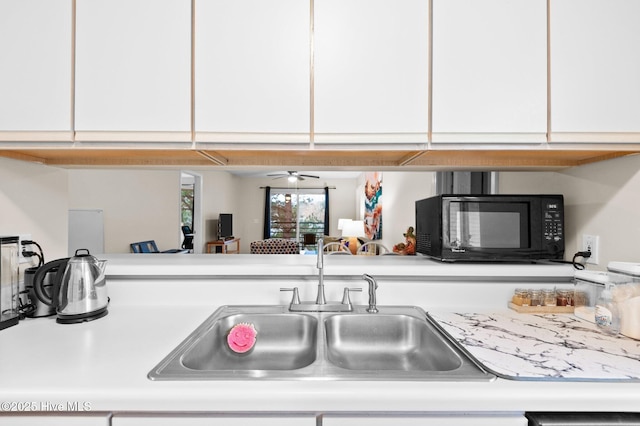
column 373, row 285
column 320, row 299
column 321, row 304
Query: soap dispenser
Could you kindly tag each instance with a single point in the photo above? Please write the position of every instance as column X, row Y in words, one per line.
column 607, row 315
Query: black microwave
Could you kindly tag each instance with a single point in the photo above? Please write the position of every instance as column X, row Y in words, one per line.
column 491, row 227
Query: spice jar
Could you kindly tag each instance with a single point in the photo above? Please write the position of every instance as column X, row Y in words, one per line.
column 516, row 299
column 521, row 297
column 536, row 297
column 550, row 298
column 565, row 298
column 570, row 299
column 580, row 298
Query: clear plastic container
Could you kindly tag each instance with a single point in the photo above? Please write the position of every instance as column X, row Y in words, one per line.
column 630, row 270
column 607, row 315
column 627, row 296
column 587, row 290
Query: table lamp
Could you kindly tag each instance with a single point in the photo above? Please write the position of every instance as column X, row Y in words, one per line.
column 353, row 230
column 342, row 222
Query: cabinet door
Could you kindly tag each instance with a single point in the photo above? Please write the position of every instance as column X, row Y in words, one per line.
column 426, row 420
column 55, row 420
column 489, row 71
column 252, row 70
column 133, row 68
column 35, row 69
column 172, row 420
column 371, row 70
column 595, row 64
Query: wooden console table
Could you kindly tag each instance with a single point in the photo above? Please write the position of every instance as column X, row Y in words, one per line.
column 222, row 246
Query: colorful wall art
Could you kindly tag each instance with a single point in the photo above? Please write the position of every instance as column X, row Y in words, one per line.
column 373, row 205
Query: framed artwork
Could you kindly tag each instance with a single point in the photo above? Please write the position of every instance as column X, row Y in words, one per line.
column 373, row 205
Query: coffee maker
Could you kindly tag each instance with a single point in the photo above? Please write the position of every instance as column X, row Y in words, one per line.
column 9, row 270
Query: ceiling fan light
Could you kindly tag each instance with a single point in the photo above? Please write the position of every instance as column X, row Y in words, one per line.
column 292, row 179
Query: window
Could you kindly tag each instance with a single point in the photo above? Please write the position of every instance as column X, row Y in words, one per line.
column 186, row 207
column 294, row 213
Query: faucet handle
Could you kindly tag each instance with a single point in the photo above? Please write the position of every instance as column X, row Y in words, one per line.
column 346, row 300
column 295, row 300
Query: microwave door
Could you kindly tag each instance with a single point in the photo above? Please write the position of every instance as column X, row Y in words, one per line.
column 466, row 230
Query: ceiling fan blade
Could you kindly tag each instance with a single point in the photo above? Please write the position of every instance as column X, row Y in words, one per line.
column 292, row 174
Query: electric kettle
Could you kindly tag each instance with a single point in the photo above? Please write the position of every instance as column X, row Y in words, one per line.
column 36, row 307
column 79, row 290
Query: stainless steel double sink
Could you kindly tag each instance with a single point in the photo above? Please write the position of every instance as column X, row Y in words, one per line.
column 397, row 343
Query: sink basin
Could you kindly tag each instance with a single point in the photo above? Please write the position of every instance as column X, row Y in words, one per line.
column 284, row 342
column 387, row 342
column 397, row 343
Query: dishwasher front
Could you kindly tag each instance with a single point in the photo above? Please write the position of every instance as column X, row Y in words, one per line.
column 583, row 419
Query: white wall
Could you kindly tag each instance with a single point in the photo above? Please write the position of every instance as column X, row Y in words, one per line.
column 138, row 205
column 600, row 199
column 34, row 200
column 144, row 204
column 219, row 195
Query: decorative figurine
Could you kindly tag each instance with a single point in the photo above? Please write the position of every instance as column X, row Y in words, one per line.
column 409, row 246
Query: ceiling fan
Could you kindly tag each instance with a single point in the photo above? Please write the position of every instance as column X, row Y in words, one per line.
column 293, row 176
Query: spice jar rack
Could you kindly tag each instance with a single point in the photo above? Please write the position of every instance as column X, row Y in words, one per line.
column 539, row 301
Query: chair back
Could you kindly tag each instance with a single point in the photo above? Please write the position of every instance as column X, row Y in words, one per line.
column 144, row 247
column 336, row 248
column 372, row 248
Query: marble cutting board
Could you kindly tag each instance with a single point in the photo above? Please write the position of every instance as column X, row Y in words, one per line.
column 542, row 346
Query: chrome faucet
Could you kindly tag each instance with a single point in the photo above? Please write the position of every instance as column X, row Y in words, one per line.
column 373, row 286
column 320, row 299
column 320, row 304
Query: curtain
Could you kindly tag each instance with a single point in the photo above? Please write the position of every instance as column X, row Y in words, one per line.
column 326, row 210
column 266, row 230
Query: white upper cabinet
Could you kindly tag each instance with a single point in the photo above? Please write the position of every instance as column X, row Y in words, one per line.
column 595, row 69
column 35, row 69
column 489, row 71
column 133, row 69
column 252, row 70
column 371, row 70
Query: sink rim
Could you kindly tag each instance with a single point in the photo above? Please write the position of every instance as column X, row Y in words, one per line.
column 170, row 368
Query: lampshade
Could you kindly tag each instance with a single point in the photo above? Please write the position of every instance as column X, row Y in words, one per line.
column 341, row 223
column 354, row 228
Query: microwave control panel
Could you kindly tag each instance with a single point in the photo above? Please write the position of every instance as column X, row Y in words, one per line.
column 553, row 222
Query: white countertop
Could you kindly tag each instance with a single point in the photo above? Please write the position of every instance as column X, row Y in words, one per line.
column 105, row 363
column 162, row 264
column 543, row 346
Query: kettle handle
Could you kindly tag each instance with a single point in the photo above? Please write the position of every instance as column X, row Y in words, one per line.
column 38, row 280
column 85, row 254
